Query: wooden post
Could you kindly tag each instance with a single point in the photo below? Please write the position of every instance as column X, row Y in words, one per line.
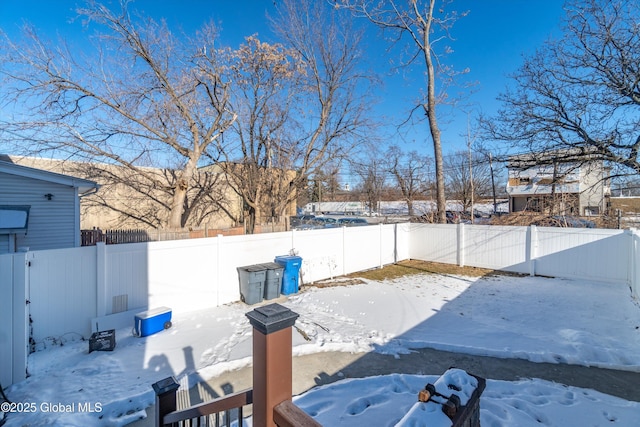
column 272, row 365
column 166, row 402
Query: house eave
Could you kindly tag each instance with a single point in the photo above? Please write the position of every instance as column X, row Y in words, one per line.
column 83, row 185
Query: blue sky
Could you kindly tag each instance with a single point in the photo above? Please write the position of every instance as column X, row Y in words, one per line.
column 490, row 41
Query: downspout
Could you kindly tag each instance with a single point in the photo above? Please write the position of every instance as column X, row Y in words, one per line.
column 76, row 218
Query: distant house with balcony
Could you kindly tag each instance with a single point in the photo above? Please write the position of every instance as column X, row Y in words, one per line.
column 562, row 182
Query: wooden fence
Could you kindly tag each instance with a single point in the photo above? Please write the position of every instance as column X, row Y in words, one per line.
column 113, row 237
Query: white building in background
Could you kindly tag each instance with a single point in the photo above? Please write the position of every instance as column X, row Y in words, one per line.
column 345, row 208
column 559, row 182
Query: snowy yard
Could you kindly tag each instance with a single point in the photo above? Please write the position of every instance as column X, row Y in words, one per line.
column 533, row 318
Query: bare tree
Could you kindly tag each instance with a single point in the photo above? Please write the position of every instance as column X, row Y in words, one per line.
column 332, row 98
column 579, row 95
column 144, row 97
column 325, row 183
column 332, row 180
column 465, row 178
column 372, row 172
column 258, row 150
column 426, row 24
column 410, row 171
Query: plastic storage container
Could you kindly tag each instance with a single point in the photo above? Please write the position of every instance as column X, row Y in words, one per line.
column 252, row 279
column 290, row 281
column 102, row 341
column 273, row 280
column 151, row 321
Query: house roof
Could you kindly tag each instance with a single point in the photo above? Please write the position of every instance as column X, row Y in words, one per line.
column 569, row 155
column 83, row 185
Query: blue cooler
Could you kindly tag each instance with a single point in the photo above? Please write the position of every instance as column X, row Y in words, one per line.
column 151, row 321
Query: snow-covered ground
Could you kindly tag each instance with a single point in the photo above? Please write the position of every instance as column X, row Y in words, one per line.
column 383, row 401
column 533, row 318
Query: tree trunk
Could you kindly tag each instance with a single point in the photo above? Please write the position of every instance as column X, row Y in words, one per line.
column 254, row 210
column 430, row 108
column 441, row 200
column 250, row 221
column 180, row 194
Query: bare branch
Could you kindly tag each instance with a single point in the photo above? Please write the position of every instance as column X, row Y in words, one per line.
column 144, row 97
column 582, row 91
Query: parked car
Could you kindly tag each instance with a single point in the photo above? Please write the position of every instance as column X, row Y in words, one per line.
column 325, row 222
column 352, row 222
column 452, row 217
column 305, row 226
column 298, row 220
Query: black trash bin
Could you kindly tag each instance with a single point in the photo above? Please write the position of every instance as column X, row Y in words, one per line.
column 273, row 280
column 252, row 279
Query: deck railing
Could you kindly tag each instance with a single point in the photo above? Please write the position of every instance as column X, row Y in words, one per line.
column 287, row 414
column 218, row 412
column 272, row 388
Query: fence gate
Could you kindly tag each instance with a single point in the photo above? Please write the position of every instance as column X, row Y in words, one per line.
column 62, row 294
column 13, row 319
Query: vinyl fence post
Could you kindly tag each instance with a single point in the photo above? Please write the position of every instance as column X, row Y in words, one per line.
column 460, row 238
column 293, row 238
column 344, row 252
column 20, row 320
column 101, row 280
column 395, row 243
column 531, row 252
column 219, row 249
column 380, row 233
column 633, row 255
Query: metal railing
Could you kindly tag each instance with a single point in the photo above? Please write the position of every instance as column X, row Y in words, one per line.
column 218, row 412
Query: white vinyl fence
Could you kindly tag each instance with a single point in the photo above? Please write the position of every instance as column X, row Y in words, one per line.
column 634, row 265
column 47, row 296
column 13, row 319
column 595, row 254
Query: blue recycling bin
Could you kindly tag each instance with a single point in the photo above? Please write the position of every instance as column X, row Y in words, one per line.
column 290, row 274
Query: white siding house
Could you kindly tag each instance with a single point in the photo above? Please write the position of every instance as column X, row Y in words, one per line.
column 50, row 202
column 558, row 182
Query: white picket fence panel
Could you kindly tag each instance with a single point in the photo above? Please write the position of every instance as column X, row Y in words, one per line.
column 68, row 289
